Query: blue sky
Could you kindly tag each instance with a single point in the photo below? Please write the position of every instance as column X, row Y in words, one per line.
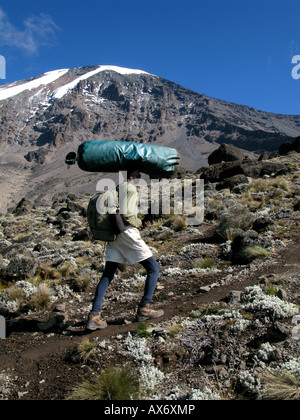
column 236, row 50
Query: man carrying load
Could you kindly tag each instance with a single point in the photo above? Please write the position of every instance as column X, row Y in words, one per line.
column 127, row 247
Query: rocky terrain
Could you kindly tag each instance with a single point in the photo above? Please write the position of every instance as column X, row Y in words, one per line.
column 229, row 289
column 44, row 118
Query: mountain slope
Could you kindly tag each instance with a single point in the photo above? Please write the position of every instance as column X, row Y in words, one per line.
column 45, row 117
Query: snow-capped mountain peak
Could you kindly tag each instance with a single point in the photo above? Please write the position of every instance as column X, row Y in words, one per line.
column 63, row 90
column 45, row 116
column 14, row 89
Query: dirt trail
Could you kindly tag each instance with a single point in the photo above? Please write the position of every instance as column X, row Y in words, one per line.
column 285, row 263
column 30, row 356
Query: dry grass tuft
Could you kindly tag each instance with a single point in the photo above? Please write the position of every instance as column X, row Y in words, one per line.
column 280, row 386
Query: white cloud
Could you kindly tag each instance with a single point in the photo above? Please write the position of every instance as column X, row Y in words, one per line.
column 39, row 31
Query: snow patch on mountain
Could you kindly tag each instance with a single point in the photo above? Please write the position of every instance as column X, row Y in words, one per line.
column 63, row 90
column 12, row 89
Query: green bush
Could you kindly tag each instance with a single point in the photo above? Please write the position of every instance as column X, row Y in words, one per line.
column 206, row 263
column 234, row 221
column 142, row 330
column 252, row 253
column 41, row 300
column 111, row 384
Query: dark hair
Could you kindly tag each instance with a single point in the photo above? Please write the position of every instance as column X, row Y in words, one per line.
column 130, row 169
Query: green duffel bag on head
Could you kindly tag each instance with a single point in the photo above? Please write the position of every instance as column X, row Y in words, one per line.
column 114, row 156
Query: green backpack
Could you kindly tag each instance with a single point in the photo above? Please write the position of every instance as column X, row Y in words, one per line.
column 101, row 222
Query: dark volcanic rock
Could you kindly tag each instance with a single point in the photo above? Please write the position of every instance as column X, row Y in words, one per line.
column 23, row 207
column 38, row 156
column 19, row 268
column 233, row 182
column 222, row 172
column 225, row 153
column 288, row 147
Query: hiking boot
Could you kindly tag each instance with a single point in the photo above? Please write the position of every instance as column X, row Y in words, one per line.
column 95, row 322
column 145, row 312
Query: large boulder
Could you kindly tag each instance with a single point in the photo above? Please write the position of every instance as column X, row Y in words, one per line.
column 23, row 207
column 225, row 153
column 232, row 182
column 221, row 171
column 288, row 147
column 247, row 167
column 20, row 267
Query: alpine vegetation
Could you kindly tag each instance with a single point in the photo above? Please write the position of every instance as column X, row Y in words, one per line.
column 229, row 288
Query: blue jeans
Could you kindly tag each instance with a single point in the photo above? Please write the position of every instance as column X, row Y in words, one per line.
column 152, row 269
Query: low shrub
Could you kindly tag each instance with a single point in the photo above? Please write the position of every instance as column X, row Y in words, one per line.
column 111, row 384
column 280, row 386
column 251, row 253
